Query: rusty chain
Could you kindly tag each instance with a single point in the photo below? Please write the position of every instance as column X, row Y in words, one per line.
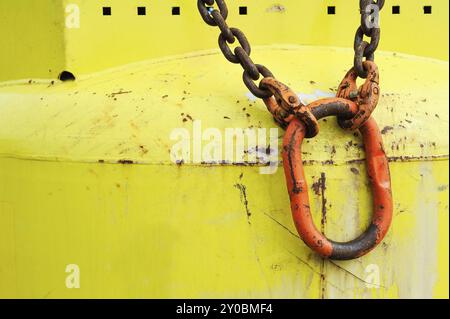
column 241, row 54
column 280, row 100
column 352, row 106
column 369, row 27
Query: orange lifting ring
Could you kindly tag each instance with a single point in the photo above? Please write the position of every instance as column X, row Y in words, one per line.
column 379, row 176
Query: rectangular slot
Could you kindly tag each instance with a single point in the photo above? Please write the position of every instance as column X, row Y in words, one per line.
column 106, row 11
column 141, row 11
column 176, row 11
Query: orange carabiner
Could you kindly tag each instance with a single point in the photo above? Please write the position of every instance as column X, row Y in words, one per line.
column 379, row 176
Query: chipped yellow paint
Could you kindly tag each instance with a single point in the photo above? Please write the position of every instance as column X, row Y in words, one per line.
column 156, row 229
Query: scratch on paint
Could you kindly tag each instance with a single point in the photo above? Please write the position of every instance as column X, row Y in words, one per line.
column 243, row 196
column 315, row 271
column 355, row 276
column 285, row 227
column 300, row 259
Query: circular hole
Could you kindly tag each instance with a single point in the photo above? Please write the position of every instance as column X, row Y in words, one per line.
column 66, row 76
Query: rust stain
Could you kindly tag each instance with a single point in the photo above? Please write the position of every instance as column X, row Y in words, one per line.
column 186, row 117
column 143, row 149
column 120, row 92
column 243, row 193
column 323, row 281
column 319, row 188
column 316, row 187
column 322, row 188
column 276, row 8
column 125, row 161
column 387, row 129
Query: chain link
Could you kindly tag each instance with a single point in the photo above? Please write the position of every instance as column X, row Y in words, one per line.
column 370, row 27
column 240, row 54
column 204, row 8
column 215, row 13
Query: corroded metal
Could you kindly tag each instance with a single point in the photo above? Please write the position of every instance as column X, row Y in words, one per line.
column 369, row 27
column 353, row 108
column 285, row 105
column 241, row 53
column 289, row 112
column 379, row 176
column 366, row 97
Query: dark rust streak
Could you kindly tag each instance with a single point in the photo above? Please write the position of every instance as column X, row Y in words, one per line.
column 316, row 187
column 400, row 159
column 225, row 163
column 180, row 162
column 125, row 161
column 386, row 129
column 118, row 93
column 323, row 187
column 243, row 193
column 323, row 281
column 391, row 159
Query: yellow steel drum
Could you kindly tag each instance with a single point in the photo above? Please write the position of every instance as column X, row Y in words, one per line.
column 92, row 205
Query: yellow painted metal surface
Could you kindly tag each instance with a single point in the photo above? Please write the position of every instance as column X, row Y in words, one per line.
column 68, row 195
column 81, row 40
